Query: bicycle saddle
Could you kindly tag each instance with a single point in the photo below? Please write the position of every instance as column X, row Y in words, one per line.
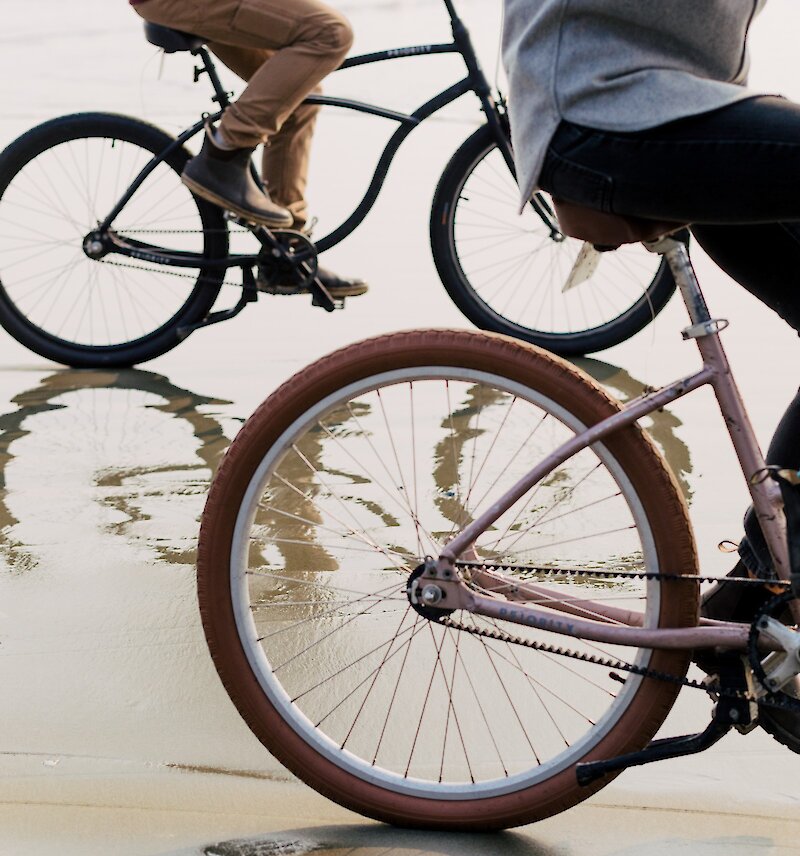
column 171, row 41
column 608, row 231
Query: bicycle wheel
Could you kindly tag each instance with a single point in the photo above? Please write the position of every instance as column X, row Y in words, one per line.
column 506, row 272
column 57, row 182
column 331, row 494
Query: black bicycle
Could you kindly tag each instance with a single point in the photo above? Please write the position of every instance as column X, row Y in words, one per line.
column 106, row 258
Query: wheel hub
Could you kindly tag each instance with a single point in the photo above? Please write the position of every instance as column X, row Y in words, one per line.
column 424, row 595
column 291, row 263
column 94, row 245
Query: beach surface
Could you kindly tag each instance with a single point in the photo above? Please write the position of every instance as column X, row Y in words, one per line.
column 117, row 736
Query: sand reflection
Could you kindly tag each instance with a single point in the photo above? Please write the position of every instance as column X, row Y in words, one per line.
column 662, row 424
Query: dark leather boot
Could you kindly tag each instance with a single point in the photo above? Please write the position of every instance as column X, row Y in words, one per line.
column 728, row 602
column 223, row 177
column 280, row 281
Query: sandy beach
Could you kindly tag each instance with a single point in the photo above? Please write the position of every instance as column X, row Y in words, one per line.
column 117, row 736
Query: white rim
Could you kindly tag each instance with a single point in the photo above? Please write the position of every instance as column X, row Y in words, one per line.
column 274, row 690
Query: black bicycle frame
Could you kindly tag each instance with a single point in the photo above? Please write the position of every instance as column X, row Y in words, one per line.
column 475, row 81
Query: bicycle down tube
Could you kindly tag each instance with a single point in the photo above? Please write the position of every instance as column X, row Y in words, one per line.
column 626, row 630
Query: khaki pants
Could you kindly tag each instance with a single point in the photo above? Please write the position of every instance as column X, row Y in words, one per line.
column 283, row 48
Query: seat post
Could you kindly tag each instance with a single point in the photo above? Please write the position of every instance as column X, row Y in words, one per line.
column 676, row 254
column 221, row 95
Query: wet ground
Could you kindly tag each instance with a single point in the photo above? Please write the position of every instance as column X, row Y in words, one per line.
column 116, row 734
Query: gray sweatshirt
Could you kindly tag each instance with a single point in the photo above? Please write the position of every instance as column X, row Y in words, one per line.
column 618, row 65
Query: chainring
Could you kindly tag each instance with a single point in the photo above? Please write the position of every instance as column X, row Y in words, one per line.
column 774, row 608
column 293, row 265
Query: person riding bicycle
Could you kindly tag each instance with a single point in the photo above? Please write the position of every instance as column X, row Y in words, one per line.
column 283, row 49
column 641, row 109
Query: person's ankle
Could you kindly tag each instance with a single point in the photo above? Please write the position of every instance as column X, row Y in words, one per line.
column 217, row 147
column 727, row 601
column 219, row 140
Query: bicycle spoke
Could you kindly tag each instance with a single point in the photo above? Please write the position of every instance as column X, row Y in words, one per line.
column 516, row 265
column 327, row 558
column 59, row 196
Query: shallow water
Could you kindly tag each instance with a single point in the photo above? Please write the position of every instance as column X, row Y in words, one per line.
column 117, row 736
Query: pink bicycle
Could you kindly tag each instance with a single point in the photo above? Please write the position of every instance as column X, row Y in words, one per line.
column 450, row 583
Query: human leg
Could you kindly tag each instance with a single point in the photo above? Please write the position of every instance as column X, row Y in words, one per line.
column 734, row 166
column 248, row 36
column 765, row 259
column 285, row 172
column 286, row 162
column 286, row 157
column 304, row 39
column 221, row 172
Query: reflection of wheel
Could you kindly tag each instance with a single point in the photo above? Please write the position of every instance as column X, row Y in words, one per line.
column 506, row 272
column 330, row 496
column 169, row 440
column 57, row 182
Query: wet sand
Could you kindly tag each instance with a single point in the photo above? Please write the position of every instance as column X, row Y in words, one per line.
column 117, row 736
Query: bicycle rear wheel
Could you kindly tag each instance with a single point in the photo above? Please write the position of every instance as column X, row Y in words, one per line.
column 506, row 272
column 57, row 183
column 330, row 496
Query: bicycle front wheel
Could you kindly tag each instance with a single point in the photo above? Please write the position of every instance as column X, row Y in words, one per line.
column 506, row 271
column 57, row 183
column 335, row 490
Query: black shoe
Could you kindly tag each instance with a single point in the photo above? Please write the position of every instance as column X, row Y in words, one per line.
column 223, row 177
column 729, row 602
column 338, row 287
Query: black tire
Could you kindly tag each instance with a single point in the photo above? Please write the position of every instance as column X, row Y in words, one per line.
column 50, row 198
column 479, row 170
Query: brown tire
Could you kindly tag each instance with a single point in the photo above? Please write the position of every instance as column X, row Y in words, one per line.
column 635, row 714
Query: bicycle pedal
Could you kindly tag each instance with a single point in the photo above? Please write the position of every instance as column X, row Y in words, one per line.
column 281, row 290
column 235, row 218
column 250, row 225
column 338, row 302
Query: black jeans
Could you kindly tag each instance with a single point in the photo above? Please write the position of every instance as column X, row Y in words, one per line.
column 734, row 174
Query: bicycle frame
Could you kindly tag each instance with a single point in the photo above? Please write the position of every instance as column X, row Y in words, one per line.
column 475, row 81
column 609, row 624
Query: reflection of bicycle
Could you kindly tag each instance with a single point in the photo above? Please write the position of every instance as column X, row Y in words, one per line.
column 539, row 651
column 134, row 470
column 107, row 259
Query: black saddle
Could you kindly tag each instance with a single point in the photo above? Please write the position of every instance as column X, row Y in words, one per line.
column 171, row 41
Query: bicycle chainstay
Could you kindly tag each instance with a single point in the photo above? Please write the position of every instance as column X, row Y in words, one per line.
column 618, row 665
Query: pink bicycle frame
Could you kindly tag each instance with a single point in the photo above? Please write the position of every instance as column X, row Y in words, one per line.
column 605, row 623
